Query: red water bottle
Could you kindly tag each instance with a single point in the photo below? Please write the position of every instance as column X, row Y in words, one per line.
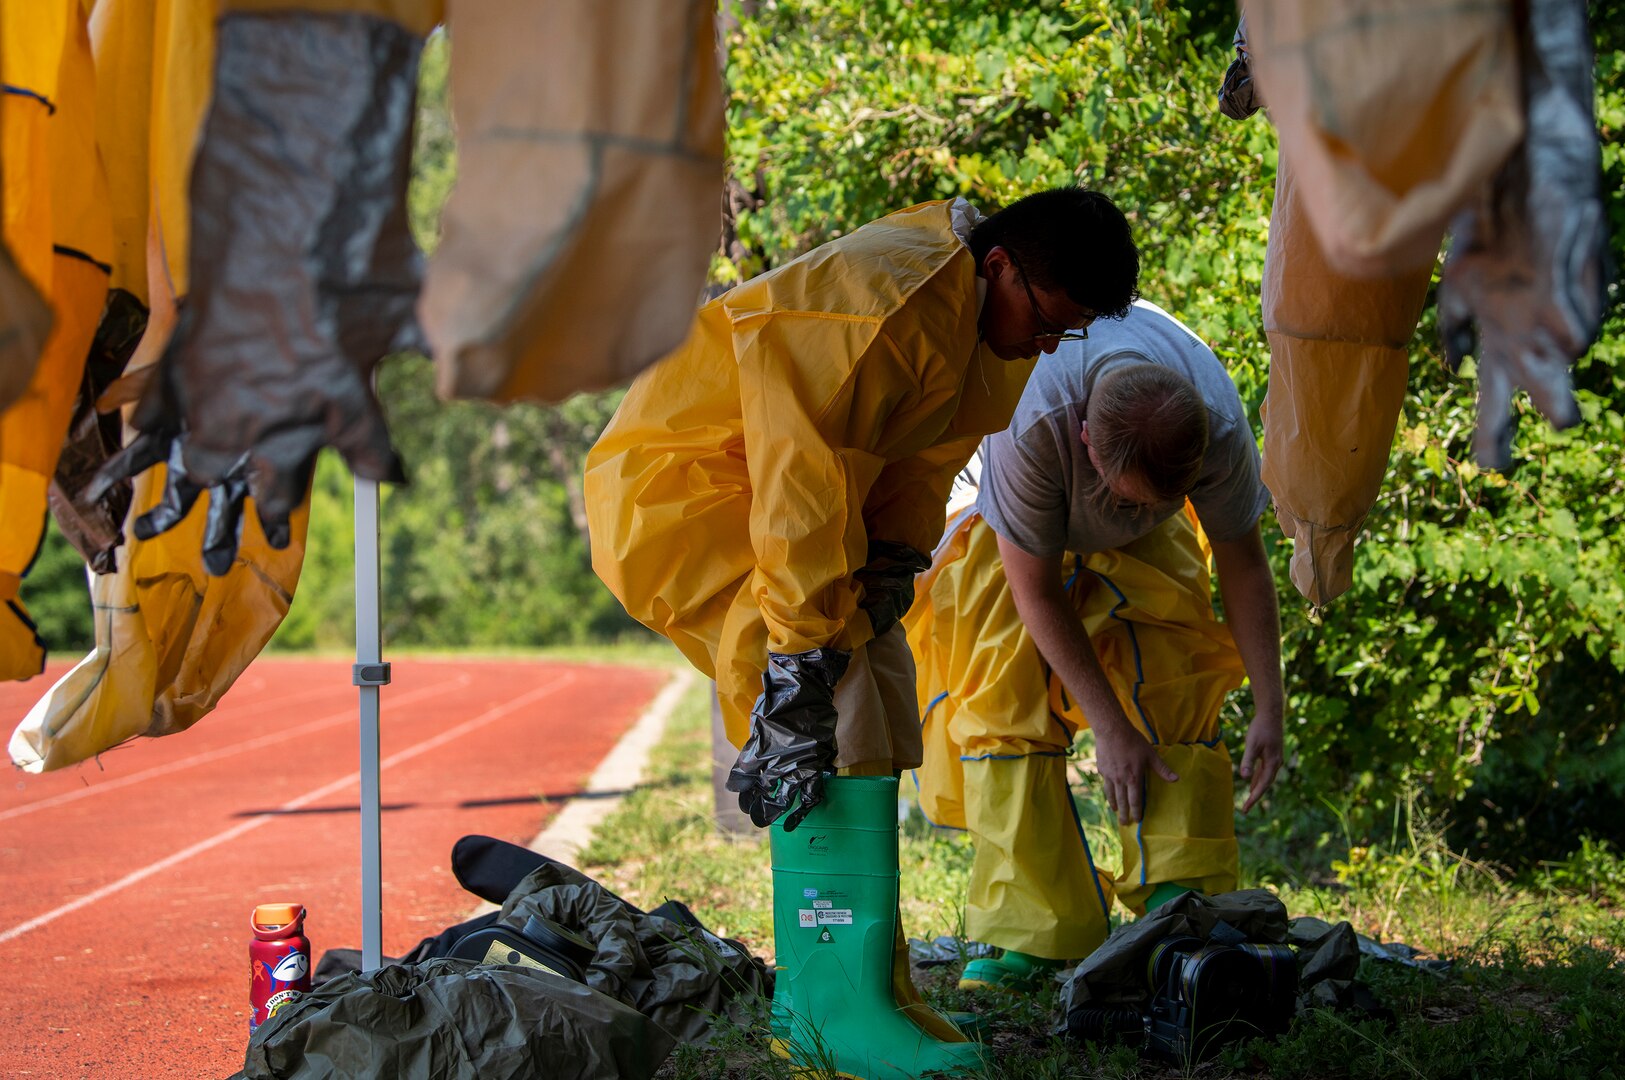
column 278, row 959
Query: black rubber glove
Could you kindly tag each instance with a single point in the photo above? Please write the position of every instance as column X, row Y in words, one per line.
column 1238, row 94
column 96, row 526
column 303, row 271
column 792, row 738
column 888, row 582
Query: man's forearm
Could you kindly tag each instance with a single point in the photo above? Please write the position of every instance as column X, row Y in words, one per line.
column 1035, row 585
column 1248, row 588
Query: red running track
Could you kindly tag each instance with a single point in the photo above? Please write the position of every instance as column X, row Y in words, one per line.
column 126, row 888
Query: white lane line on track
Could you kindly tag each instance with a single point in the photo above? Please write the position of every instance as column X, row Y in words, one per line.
column 494, row 713
column 402, row 698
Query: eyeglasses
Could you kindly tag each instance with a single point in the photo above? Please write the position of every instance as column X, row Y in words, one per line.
column 1046, row 327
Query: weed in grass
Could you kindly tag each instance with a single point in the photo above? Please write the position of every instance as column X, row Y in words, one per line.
column 1593, row 870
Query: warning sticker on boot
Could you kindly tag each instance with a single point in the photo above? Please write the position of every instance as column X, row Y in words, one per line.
column 835, row 917
column 808, row 918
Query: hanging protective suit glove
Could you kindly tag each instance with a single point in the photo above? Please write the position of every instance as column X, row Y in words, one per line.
column 304, row 272
column 95, row 526
column 1523, row 288
column 1238, row 94
column 152, row 85
column 57, row 225
column 1389, row 116
column 170, row 638
column 792, row 738
column 590, row 269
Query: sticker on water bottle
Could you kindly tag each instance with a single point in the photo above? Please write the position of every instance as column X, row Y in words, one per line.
column 291, row 968
column 277, row 1000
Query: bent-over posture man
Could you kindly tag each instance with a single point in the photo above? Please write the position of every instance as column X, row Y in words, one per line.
column 1075, row 590
column 764, row 498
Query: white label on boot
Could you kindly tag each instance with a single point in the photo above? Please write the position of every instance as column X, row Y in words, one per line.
column 808, row 918
column 838, row 917
column 823, row 903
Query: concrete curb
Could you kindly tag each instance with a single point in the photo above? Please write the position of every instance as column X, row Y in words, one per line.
column 621, row 771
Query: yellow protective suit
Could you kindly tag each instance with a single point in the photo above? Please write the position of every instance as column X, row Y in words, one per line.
column 1391, row 116
column 586, row 271
column 1394, row 112
column 25, row 320
column 170, row 639
column 812, row 409
column 1339, row 361
column 999, row 729
column 56, row 224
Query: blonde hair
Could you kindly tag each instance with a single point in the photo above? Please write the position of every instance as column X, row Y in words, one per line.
column 1148, row 421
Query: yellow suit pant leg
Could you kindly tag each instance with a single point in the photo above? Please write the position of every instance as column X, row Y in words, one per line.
column 1033, row 885
column 1149, row 614
column 995, row 757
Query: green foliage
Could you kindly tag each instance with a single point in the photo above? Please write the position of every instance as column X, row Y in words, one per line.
column 55, row 595
column 1594, row 870
column 1480, row 599
column 1478, row 658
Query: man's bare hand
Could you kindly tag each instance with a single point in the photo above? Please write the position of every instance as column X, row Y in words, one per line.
column 1262, row 761
column 1123, row 762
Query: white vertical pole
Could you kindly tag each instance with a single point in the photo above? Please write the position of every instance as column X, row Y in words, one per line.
column 370, row 675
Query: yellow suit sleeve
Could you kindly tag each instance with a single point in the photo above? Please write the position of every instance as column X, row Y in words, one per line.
column 908, row 502
column 809, row 481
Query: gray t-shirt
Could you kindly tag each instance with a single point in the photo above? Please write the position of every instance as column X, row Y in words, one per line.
column 1037, row 480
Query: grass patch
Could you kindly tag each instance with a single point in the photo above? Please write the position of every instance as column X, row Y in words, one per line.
column 1536, row 988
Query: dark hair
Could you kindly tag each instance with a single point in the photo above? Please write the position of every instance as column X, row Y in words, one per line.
column 1150, row 420
column 1070, row 239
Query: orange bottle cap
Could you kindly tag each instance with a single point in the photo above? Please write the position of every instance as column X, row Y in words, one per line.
column 276, row 916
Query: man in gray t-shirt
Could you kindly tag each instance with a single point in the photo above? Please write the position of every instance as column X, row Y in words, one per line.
column 1077, row 591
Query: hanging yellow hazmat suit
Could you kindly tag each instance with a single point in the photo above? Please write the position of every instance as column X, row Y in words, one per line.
column 1397, row 120
column 812, row 410
column 170, row 639
column 575, row 243
column 999, row 729
column 58, row 228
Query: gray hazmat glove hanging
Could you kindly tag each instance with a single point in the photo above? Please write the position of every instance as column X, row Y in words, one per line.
column 303, row 271
column 1525, row 285
column 792, row 737
column 888, row 581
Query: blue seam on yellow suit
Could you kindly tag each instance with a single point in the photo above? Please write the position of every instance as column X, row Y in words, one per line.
column 23, row 91
column 1012, row 757
column 1134, row 643
column 1139, row 680
column 915, row 773
column 1088, row 856
column 1139, row 828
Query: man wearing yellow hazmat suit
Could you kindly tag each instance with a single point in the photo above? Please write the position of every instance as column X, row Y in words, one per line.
column 1075, row 590
column 764, row 496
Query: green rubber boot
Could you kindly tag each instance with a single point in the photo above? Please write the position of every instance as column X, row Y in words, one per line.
column 835, row 928
column 1011, row 970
